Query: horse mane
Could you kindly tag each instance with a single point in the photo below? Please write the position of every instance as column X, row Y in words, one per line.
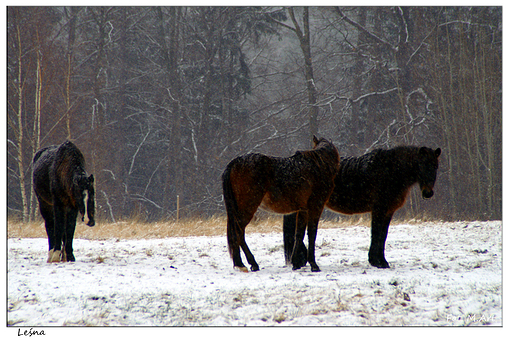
column 373, row 162
column 403, row 154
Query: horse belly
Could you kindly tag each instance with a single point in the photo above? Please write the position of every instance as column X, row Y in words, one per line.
column 283, row 204
column 349, row 207
column 350, row 200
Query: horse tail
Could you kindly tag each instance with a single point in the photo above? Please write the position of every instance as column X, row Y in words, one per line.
column 233, row 231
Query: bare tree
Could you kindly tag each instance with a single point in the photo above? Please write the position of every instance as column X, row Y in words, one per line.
column 19, row 127
column 304, row 37
column 162, row 98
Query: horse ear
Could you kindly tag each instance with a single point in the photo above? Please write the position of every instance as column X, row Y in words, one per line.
column 315, row 140
column 438, row 152
column 91, row 178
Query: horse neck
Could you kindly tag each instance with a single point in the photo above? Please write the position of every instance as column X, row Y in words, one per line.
column 326, row 155
column 410, row 162
column 74, row 180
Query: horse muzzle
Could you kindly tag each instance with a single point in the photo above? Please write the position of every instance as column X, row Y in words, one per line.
column 91, row 222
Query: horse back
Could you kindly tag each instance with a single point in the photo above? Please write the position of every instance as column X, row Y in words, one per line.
column 289, row 185
column 380, row 178
column 355, row 186
column 69, row 164
column 68, row 160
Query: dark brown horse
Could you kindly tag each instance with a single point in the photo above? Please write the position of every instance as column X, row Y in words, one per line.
column 376, row 182
column 302, row 182
column 61, row 185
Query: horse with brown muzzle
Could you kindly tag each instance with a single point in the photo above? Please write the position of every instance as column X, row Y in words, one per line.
column 377, row 182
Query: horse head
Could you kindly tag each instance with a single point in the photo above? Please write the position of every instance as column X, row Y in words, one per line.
column 317, row 141
column 324, row 144
column 91, row 205
column 428, row 165
column 84, row 192
column 327, row 152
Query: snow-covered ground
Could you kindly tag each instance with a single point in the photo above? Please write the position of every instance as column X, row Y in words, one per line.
column 441, row 274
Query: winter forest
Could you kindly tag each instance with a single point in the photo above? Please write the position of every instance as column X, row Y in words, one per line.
column 161, row 99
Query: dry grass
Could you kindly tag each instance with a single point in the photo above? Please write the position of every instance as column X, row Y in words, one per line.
column 126, row 229
column 215, row 226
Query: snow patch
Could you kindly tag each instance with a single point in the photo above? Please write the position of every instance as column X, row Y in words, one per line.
column 445, row 274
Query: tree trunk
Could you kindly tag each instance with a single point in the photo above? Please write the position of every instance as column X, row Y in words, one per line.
column 37, row 121
column 171, row 52
column 20, row 135
column 305, row 45
column 70, row 57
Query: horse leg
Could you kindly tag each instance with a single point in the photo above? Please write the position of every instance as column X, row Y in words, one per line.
column 312, row 231
column 249, row 256
column 301, row 224
column 236, row 240
column 241, row 226
column 289, row 229
column 48, row 216
column 234, row 236
column 59, row 229
column 380, row 223
column 69, row 236
column 289, row 233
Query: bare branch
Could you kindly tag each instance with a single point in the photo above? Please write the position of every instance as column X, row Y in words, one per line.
column 137, row 151
column 364, row 30
column 109, row 206
column 280, row 23
column 373, row 94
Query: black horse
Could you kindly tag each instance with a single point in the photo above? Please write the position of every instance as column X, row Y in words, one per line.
column 62, row 185
column 377, row 182
column 302, row 182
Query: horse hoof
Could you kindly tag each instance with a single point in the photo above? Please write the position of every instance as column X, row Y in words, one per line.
column 299, row 261
column 380, row 264
column 54, row 256
column 315, row 268
column 242, row 269
column 255, row 268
